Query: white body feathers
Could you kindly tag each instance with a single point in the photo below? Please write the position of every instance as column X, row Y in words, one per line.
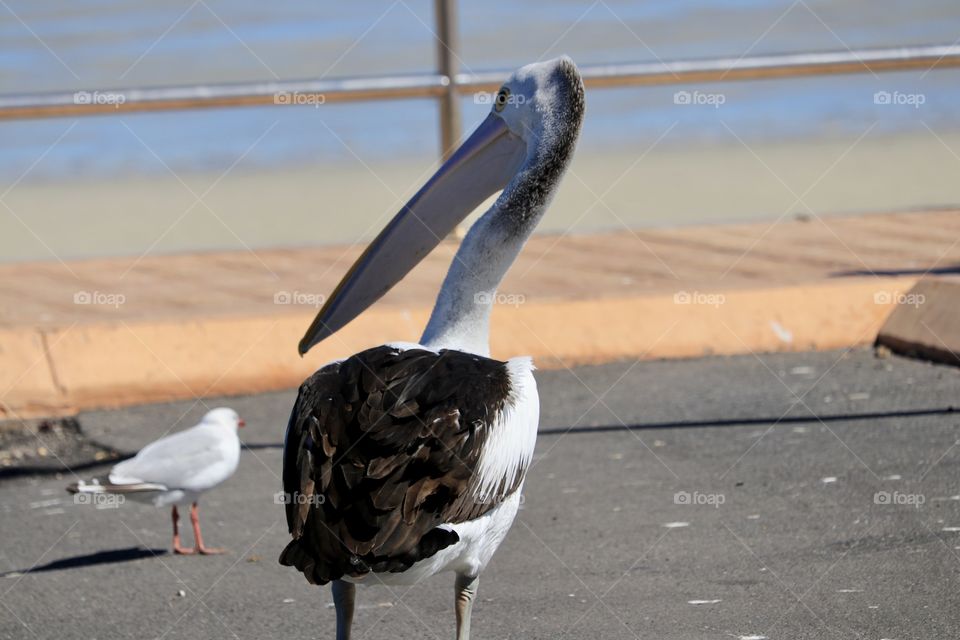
column 177, row 468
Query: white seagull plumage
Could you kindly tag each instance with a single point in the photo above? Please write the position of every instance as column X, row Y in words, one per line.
column 176, row 469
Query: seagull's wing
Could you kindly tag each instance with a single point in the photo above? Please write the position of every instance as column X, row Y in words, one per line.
column 195, row 459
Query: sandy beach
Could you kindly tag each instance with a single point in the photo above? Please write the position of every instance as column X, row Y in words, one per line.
column 327, row 204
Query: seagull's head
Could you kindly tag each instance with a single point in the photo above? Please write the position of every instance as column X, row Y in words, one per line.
column 224, row 417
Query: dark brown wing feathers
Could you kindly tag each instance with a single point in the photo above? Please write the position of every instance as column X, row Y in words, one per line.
column 381, row 449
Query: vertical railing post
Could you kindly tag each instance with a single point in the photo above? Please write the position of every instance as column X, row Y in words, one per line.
column 447, row 47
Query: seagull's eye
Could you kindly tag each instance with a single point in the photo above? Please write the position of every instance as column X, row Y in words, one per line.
column 501, row 100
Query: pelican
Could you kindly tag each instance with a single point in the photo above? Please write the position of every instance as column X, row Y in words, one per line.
column 407, row 460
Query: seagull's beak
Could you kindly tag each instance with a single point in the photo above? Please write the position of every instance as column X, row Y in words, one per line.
column 241, row 422
column 483, row 165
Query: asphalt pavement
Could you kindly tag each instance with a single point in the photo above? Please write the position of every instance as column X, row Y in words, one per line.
column 785, row 496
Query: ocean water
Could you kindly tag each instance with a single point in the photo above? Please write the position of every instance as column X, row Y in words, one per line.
column 58, row 46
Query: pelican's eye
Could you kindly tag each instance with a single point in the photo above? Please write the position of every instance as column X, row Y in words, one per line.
column 501, row 100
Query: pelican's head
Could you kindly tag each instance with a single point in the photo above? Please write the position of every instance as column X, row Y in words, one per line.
column 533, row 124
column 542, row 103
column 223, row 417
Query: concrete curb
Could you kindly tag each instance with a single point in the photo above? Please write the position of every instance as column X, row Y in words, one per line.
column 924, row 323
column 61, row 371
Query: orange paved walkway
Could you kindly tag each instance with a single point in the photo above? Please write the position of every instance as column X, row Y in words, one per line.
column 119, row 331
column 551, row 268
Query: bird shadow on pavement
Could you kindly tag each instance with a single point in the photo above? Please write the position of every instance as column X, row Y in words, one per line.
column 91, row 559
column 717, row 422
column 739, row 422
column 937, row 271
column 52, row 467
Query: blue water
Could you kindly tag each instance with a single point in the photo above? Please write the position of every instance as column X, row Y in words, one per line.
column 67, row 47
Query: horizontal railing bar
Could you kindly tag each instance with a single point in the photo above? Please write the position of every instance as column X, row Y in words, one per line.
column 83, row 103
column 746, row 68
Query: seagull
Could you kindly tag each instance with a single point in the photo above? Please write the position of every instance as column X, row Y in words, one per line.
column 406, row 460
column 176, row 469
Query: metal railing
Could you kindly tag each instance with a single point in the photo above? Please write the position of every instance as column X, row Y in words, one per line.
column 447, row 84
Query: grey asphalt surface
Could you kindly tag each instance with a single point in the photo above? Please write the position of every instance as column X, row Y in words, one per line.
column 682, row 499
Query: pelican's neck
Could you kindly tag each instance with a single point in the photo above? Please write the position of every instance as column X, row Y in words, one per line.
column 461, row 315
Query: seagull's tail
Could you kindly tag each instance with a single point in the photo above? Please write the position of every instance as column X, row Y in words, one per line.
column 85, row 487
column 96, row 486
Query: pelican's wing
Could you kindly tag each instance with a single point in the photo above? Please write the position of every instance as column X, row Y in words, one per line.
column 381, row 449
column 181, row 460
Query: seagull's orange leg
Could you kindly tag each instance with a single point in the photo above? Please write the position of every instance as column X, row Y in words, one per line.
column 198, row 539
column 176, row 535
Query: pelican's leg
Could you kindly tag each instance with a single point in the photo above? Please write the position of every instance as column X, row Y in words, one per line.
column 197, row 538
column 465, row 589
column 344, row 597
column 176, row 534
